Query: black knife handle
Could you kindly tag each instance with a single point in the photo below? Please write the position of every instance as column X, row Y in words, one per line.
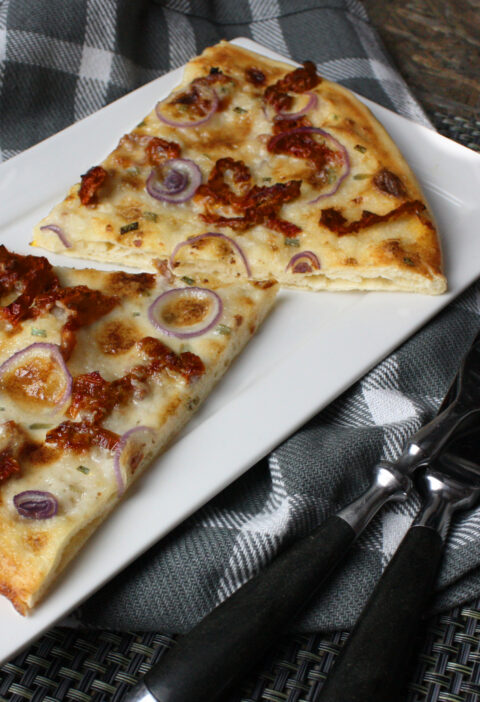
column 374, row 661
column 228, row 642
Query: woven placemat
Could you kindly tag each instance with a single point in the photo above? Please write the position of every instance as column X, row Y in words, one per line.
column 102, row 666
column 81, row 666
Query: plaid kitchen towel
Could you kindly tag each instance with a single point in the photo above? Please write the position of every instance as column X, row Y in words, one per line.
column 60, row 61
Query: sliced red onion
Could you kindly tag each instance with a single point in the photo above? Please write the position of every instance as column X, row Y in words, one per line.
column 59, row 232
column 36, row 504
column 209, row 94
column 312, row 104
column 54, row 351
column 337, row 146
column 213, row 235
column 303, row 262
column 180, row 178
column 147, row 433
column 190, row 293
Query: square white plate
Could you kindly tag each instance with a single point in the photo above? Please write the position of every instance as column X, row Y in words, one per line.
column 311, row 348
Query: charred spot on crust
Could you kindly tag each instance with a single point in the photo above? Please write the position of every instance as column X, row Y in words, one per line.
column 125, row 284
column 116, row 337
column 255, row 76
column 389, row 183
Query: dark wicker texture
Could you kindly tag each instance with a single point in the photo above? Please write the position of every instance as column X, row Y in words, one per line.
column 101, row 666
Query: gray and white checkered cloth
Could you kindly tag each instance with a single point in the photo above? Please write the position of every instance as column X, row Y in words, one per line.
column 60, row 61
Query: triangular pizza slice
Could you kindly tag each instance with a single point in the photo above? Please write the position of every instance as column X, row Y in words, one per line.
column 98, row 373
column 254, row 168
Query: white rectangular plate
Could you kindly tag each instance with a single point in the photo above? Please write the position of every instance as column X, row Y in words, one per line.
column 312, row 347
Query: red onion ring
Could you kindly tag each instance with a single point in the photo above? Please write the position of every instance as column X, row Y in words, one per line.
column 208, row 92
column 214, row 235
column 328, row 137
column 54, row 351
column 308, row 264
column 195, row 329
column 312, row 104
column 122, row 444
column 59, row 232
column 36, row 504
column 181, row 178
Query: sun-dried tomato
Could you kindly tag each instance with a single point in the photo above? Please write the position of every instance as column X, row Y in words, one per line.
column 284, row 125
column 81, row 436
column 159, row 150
column 217, row 190
column 334, row 220
column 255, row 204
column 8, row 465
column 92, row 180
column 298, row 81
column 303, row 145
column 31, row 276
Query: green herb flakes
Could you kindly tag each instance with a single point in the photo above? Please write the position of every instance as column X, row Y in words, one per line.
column 361, row 176
column 38, row 332
column 331, row 174
column 359, row 147
column 129, row 227
column 141, row 124
column 136, row 314
column 186, row 279
column 223, row 329
column 193, row 403
column 240, row 110
column 152, row 216
column 291, row 242
column 39, row 425
column 267, row 179
column 83, row 469
column 2, row 409
column 408, row 261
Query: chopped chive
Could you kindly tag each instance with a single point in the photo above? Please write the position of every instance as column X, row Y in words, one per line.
column 38, row 332
column 361, row 176
column 152, row 216
column 408, row 261
column 331, row 175
column 359, row 147
column 291, row 242
column 83, row 469
column 2, row 409
column 141, row 124
column 136, row 314
column 39, row 425
column 186, row 279
column 193, row 403
column 267, row 179
column 223, row 329
column 240, row 110
column 129, row 227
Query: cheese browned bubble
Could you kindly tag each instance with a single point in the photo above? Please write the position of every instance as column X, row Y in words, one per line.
column 78, row 381
column 293, row 195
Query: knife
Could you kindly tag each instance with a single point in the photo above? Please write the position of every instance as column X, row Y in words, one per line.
column 229, row 641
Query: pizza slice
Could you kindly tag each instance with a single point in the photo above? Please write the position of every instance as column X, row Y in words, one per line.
column 253, row 169
column 98, row 373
